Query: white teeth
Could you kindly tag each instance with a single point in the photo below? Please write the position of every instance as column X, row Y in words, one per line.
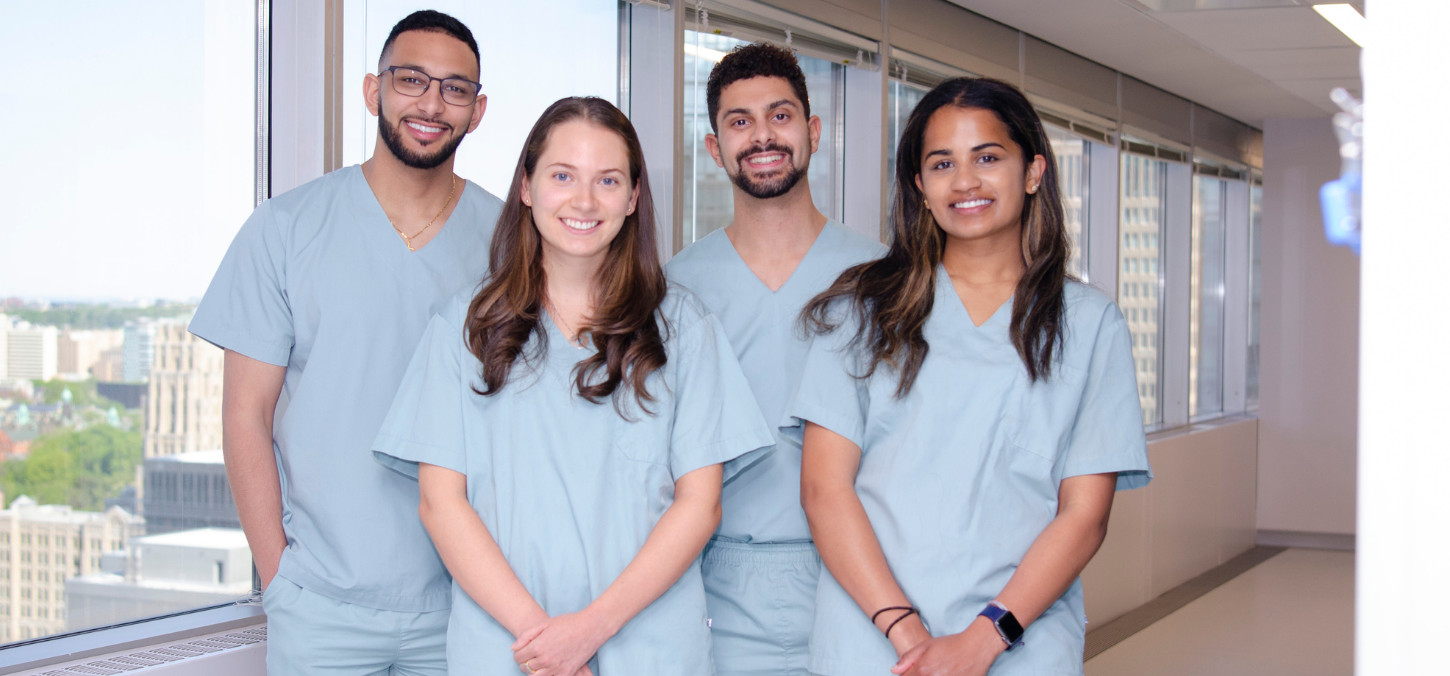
column 969, row 204
column 578, row 225
column 767, row 159
column 425, row 129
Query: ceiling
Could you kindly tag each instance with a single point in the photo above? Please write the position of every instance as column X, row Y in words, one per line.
column 1248, row 59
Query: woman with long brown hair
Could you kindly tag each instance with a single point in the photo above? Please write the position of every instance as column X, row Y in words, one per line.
column 568, row 421
column 967, row 412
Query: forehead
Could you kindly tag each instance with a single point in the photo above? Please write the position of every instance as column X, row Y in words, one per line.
column 585, row 145
column 952, row 126
column 440, row 54
column 757, row 92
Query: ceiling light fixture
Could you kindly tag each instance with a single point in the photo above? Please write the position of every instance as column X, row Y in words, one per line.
column 1347, row 19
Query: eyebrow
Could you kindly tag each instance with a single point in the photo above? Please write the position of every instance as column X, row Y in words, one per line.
column 772, row 106
column 420, row 70
column 566, row 165
column 979, row 148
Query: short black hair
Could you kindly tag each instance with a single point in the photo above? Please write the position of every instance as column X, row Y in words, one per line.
column 431, row 21
column 754, row 60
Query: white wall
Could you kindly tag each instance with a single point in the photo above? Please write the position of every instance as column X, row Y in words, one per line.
column 1310, row 341
column 1197, row 513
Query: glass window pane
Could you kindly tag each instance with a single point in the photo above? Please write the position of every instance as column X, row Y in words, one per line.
column 109, row 409
column 1072, row 154
column 708, row 201
column 1256, row 284
column 1205, row 303
column 1140, row 276
column 902, row 99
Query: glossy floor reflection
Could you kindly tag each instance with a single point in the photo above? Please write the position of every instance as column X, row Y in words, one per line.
column 1289, row 616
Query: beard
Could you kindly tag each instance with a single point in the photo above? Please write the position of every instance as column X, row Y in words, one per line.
column 770, row 187
column 393, row 139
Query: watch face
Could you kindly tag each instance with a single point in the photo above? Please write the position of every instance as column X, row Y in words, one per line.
column 1011, row 627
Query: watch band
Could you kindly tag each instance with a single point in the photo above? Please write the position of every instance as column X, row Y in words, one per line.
column 1006, row 623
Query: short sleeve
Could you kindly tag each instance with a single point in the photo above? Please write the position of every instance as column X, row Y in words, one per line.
column 716, row 417
column 425, row 422
column 1107, row 435
column 245, row 308
column 829, row 394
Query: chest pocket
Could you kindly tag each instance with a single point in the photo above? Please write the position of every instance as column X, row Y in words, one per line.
column 1042, row 414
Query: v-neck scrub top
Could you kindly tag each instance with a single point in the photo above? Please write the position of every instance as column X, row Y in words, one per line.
column 569, row 489
column 318, row 281
column 960, row 476
column 762, row 504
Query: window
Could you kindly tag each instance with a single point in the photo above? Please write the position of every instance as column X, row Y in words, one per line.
column 708, row 199
column 1256, row 286
column 1205, row 303
column 1141, row 205
column 125, row 228
column 1072, row 153
column 903, row 97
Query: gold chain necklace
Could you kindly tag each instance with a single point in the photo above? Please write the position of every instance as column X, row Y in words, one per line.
column 408, row 239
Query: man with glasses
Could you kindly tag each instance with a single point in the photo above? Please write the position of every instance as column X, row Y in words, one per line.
column 319, row 304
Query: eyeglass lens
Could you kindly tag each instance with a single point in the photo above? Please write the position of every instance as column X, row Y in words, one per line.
column 456, row 91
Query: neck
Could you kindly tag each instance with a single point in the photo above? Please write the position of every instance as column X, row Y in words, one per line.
column 776, row 221
column 569, row 283
column 994, row 259
column 397, row 184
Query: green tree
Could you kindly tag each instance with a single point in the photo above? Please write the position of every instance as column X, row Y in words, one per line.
column 92, row 316
column 78, row 468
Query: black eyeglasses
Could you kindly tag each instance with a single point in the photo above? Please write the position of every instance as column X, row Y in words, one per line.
column 413, row 82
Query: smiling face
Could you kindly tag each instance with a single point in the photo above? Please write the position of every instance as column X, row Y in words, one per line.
column 765, row 140
column 974, row 175
column 580, row 193
column 424, row 131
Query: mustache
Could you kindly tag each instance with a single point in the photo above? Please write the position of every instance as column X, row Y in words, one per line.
column 769, row 147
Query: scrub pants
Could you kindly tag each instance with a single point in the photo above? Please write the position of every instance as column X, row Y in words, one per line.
column 308, row 633
column 762, row 602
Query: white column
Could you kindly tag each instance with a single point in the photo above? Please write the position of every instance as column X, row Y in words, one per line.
column 1404, row 393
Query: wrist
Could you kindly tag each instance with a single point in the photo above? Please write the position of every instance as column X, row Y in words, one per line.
column 606, row 622
column 909, row 633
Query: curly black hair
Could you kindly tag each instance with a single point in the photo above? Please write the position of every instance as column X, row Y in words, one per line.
column 755, row 60
column 430, row 21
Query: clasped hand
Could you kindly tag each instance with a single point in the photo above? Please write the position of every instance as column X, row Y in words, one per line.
column 970, row 653
column 559, row 646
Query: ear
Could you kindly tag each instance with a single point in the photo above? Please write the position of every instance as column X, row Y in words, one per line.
column 372, row 89
column 1035, row 171
column 919, row 185
column 525, row 195
column 479, row 105
column 633, row 200
column 814, row 124
column 712, row 144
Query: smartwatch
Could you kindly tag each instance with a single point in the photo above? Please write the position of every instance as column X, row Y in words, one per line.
column 1006, row 623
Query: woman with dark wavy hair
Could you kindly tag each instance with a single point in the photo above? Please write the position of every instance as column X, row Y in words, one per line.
column 568, row 422
column 967, row 412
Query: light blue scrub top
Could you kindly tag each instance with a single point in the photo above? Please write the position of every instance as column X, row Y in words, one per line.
column 961, row 476
column 569, row 489
column 318, row 281
column 763, row 504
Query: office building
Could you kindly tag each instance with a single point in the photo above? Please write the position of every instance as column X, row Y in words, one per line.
column 30, row 352
column 78, row 352
column 138, row 351
column 187, row 490
column 183, row 392
column 160, row 574
column 110, row 366
column 42, row 546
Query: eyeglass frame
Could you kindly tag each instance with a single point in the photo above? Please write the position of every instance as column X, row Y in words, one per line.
column 391, row 70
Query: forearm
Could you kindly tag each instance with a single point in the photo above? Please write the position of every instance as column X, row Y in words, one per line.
column 848, row 546
column 1059, row 554
column 477, row 564
column 257, row 491
column 673, row 544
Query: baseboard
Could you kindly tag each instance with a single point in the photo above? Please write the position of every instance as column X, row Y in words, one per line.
column 1305, row 540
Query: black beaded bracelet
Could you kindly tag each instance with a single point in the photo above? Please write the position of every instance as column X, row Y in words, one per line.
column 908, row 613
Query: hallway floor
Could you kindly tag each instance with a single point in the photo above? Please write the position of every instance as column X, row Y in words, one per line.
column 1289, row 616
